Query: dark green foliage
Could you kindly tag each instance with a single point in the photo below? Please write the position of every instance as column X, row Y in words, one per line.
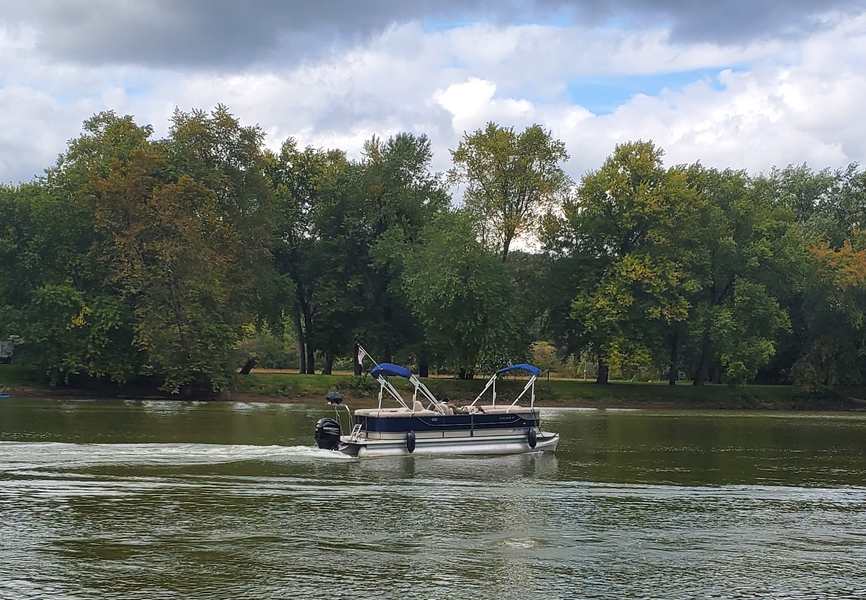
column 510, row 179
column 152, row 269
column 174, row 261
column 344, row 231
column 464, row 299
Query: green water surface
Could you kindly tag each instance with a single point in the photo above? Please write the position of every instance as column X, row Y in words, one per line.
column 160, row 499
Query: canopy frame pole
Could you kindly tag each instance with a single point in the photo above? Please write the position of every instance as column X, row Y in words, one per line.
column 494, row 391
column 491, row 381
column 419, row 386
column 386, row 386
column 529, row 385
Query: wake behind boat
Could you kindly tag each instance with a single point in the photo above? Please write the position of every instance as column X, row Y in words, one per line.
column 425, row 425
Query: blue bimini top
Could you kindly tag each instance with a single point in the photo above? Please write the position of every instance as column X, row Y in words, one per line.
column 531, row 369
column 390, row 369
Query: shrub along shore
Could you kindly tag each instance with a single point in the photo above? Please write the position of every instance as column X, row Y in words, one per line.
column 361, row 391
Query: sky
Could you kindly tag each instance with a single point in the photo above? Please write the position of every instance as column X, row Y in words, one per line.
column 742, row 84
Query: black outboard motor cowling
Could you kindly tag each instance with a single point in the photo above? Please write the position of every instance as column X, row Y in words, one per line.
column 328, row 434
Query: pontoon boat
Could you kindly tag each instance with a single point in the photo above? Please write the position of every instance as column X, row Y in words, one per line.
column 428, row 426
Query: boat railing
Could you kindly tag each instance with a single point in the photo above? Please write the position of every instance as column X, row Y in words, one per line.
column 533, row 372
column 382, row 371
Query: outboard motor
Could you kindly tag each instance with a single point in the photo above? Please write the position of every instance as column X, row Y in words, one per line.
column 328, row 434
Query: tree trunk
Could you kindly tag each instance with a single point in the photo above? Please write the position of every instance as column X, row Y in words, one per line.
column 716, row 373
column 673, row 369
column 423, row 364
column 311, row 360
column 328, row 367
column 302, row 345
column 356, row 365
column 703, row 371
column 603, row 371
column 465, row 374
column 311, row 351
column 506, row 247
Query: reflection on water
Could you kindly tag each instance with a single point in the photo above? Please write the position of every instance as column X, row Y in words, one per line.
column 221, row 500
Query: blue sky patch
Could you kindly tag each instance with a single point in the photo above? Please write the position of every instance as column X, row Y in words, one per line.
column 602, row 95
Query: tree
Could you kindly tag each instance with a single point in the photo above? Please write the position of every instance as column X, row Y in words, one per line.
column 462, row 297
column 835, row 305
column 189, row 220
column 301, row 179
column 158, row 261
column 165, row 260
column 744, row 249
column 57, row 292
column 510, row 177
column 624, row 224
column 345, row 228
column 401, row 196
column 544, row 356
column 174, row 263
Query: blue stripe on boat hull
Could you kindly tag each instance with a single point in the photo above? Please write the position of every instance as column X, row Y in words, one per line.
column 446, row 422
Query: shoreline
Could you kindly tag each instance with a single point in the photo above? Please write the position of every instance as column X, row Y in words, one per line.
column 283, row 388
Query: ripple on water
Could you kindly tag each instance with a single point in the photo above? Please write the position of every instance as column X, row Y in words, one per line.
column 17, row 455
column 630, row 507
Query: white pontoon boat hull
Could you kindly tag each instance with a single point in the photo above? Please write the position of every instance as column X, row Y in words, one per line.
column 480, row 445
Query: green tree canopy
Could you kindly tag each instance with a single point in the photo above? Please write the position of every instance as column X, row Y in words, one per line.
column 165, row 242
column 626, row 222
column 511, row 178
column 462, row 296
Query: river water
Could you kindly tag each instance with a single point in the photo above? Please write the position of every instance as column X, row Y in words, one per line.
column 129, row 499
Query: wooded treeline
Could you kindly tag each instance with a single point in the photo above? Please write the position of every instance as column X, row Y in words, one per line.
column 163, row 260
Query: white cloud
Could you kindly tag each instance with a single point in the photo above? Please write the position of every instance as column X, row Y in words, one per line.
column 787, row 101
column 801, row 105
column 473, row 102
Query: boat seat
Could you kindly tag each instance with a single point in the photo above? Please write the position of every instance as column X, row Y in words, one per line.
column 383, row 412
column 395, row 412
column 503, row 409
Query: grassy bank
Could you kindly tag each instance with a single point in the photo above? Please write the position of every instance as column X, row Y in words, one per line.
column 361, row 391
column 16, row 376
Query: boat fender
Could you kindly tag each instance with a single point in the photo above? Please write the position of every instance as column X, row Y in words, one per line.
column 410, row 442
column 532, row 437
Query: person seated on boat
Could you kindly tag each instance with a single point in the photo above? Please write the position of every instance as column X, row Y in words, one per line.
column 463, row 410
